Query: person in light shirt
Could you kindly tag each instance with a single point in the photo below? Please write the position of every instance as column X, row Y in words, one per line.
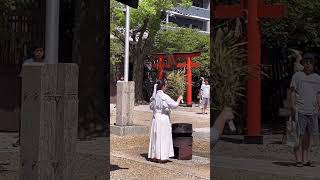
column 305, row 105
column 205, row 92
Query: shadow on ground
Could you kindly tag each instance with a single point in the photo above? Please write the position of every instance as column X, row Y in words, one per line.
column 115, row 167
column 145, row 156
column 201, row 113
column 286, row 164
column 232, row 140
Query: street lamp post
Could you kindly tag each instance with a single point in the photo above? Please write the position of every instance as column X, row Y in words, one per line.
column 126, row 60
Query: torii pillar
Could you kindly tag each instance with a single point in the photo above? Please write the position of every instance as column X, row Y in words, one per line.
column 189, row 65
column 254, row 10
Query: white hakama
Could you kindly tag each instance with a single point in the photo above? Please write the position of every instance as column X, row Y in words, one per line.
column 161, row 144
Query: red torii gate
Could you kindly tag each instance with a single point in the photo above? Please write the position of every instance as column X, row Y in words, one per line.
column 173, row 62
column 252, row 10
column 161, row 65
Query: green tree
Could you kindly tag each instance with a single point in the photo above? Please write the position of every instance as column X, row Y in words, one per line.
column 6, row 7
column 299, row 29
column 116, row 55
column 186, row 40
column 144, row 24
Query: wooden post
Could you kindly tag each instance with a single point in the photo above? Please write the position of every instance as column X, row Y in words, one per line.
column 189, row 82
column 49, row 120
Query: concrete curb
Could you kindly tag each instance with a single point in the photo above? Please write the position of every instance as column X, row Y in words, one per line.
column 129, row 130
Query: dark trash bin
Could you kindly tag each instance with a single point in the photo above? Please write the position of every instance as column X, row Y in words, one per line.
column 182, row 141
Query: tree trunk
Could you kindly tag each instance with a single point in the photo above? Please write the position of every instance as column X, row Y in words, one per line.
column 138, row 72
column 89, row 54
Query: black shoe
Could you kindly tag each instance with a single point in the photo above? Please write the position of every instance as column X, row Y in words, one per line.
column 309, row 164
column 17, row 144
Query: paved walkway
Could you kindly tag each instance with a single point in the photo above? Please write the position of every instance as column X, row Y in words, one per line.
column 268, row 168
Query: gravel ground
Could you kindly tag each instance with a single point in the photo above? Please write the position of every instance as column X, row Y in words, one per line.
column 122, row 169
column 136, row 147
column 141, row 142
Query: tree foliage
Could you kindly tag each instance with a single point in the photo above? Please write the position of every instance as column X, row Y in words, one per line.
column 299, row 29
column 5, row 10
column 116, row 55
column 145, row 23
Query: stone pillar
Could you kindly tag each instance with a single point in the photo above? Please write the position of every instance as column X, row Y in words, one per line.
column 125, row 103
column 208, row 26
column 49, row 120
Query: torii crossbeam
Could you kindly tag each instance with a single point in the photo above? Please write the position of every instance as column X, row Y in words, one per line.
column 252, row 10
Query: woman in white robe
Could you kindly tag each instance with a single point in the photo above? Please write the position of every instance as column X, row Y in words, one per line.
column 161, row 144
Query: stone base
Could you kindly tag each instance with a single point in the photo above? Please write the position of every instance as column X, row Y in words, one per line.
column 129, row 130
column 253, row 140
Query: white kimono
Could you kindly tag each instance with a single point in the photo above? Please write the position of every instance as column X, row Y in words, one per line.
column 161, row 144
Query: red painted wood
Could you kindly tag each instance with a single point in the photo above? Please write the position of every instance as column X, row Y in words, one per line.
column 189, row 82
column 272, row 11
column 173, row 59
column 253, row 85
column 227, row 11
column 193, row 65
column 255, row 9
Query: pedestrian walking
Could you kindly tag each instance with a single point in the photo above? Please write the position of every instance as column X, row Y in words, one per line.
column 205, row 93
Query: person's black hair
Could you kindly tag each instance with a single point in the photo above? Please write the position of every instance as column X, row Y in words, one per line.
column 33, row 48
column 161, row 84
column 36, row 46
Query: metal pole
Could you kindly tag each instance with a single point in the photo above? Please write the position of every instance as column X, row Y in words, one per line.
column 126, row 60
column 52, row 31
